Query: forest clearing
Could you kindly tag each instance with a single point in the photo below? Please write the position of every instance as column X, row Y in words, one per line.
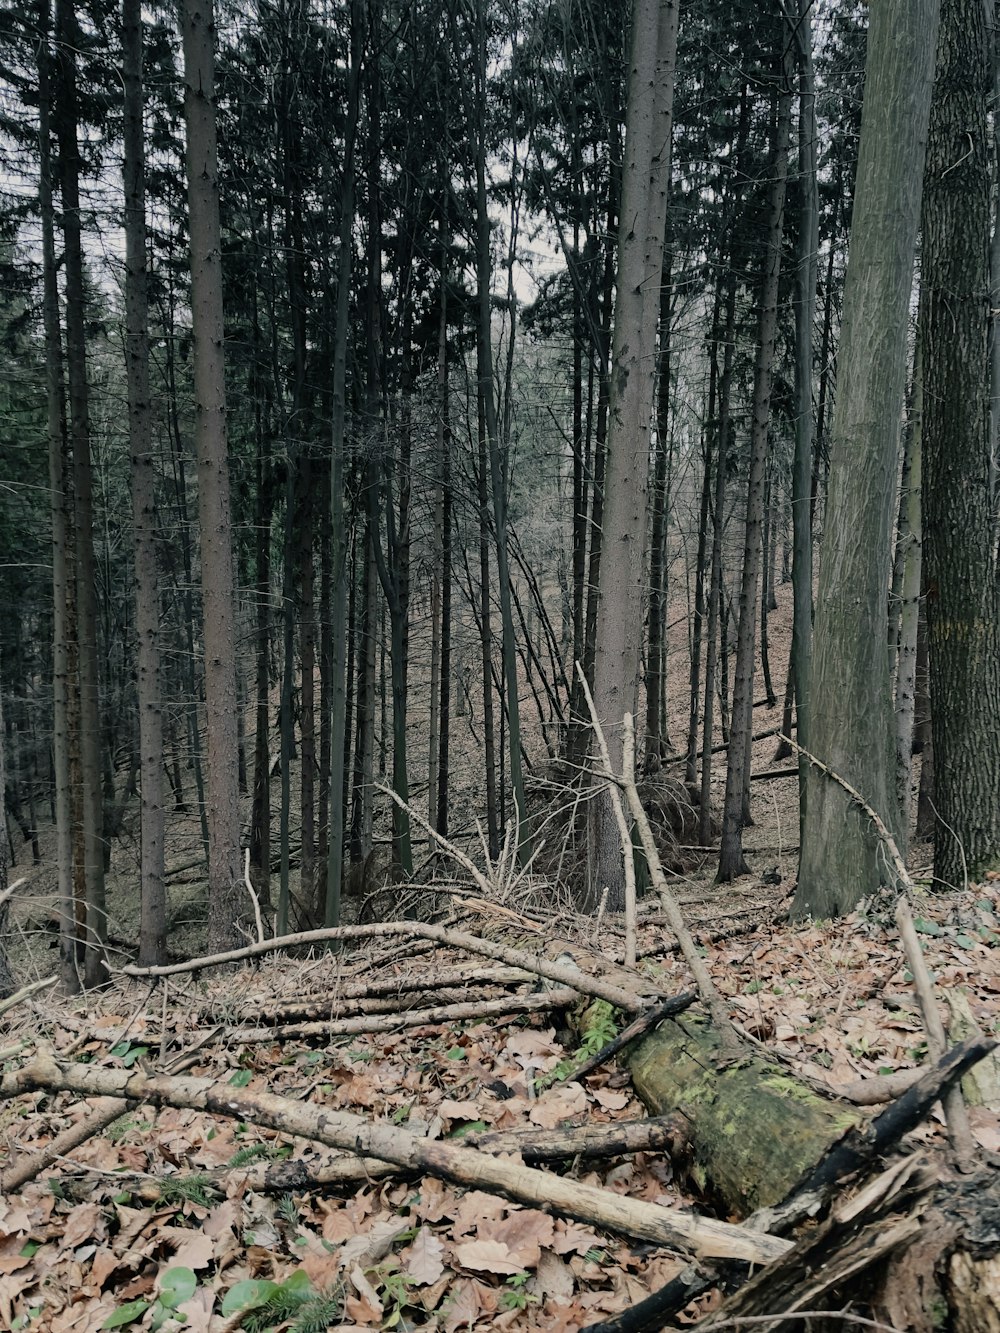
column 500, row 663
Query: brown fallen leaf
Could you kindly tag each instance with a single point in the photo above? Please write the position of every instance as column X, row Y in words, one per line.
column 553, row 1277
column 423, row 1258
column 526, row 1232
column 81, row 1224
column 486, row 1256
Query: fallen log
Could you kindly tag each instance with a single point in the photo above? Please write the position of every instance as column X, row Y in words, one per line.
column 460, row 1165
column 755, row 1129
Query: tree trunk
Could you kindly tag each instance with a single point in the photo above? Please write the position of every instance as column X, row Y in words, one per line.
column 86, row 590
column 800, row 662
column 657, row 741
column 61, row 532
column 153, row 920
column 963, row 636
column 7, row 984
column 850, row 704
column 731, row 860
column 227, row 903
column 910, row 538
column 640, row 259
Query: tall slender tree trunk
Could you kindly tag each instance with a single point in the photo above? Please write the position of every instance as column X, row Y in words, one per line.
column 911, row 539
column 731, row 859
column 497, row 446
column 153, row 922
column 963, row 598
column 800, row 662
column 227, row 902
column 339, row 618
column 86, row 589
column 61, row 531
column 850, row 717
column 657, row 740
column 645, row 181
column 7, row 984
column 486, row 634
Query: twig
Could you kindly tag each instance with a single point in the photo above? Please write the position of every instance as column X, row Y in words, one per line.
column 628, row 856
column 11, row 889
column 253, row 897
column 25, row 993
column 668, row 1009
column 959, row 1131
column 706, row 986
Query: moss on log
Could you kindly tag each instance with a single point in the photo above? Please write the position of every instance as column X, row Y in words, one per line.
column 754, row 1128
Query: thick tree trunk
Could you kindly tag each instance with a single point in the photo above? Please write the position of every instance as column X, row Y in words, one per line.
column 227, row 900
column 963, row 635
column 645, row 181
column 7, row 984
column 153, row 922
column 850, row 703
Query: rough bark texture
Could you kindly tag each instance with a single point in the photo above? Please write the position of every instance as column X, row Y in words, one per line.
column 153, row 925
column 227, row 903
column 850, row 700
column 640, row 256
column 962, row 629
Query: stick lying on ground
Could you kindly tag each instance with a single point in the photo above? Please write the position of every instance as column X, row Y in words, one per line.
column 463, row 1166
column 587, row 1142
column 600, row 989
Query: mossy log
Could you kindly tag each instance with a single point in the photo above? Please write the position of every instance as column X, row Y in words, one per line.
column 754, row 1129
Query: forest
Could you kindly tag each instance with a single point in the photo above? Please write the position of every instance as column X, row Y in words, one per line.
column 499, row 664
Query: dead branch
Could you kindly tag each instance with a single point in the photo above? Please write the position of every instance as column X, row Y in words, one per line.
column 641, row 1025
column 706, row 986
column 587, row 1142
column 25, row 993
column 959, row 1132
column 632, row 1002
column 397, row 1018
column 460, row 1165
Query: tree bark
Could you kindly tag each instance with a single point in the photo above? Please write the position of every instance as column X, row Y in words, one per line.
column 963, row 636
column 227, row 907
column 618, row 642
column 86, row 588
column 153, row 919
column 850, row 703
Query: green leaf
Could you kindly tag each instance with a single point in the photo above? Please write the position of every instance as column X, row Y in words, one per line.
column 126, row 1314
column 472, row 1127
column 241, row 1078
column 247, row 1295
column 456, row 1053
column 30, row 1248
column 926, row 927
column 177, row 1286
column 136, row 1053
column 965, row 942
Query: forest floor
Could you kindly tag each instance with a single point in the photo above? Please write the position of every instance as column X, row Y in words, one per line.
column 170, row 1212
